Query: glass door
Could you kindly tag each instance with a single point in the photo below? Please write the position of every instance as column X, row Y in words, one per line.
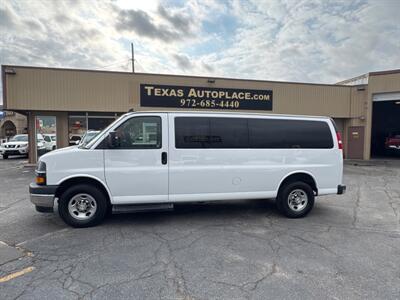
column 46, row 134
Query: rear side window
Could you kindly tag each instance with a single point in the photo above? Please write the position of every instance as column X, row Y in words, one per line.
column 192, row 132
column 228, row 133
column 283, row 134
column 201, row 132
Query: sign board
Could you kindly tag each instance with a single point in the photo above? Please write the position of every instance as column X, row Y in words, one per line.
column 153, row 95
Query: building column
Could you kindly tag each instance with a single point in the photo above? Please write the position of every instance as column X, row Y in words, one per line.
column 368, row 127
column 61, row 131
column 31, row 137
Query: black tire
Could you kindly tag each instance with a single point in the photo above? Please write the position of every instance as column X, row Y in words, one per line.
column 5, row 156
column 86, row 189
column 282, row 201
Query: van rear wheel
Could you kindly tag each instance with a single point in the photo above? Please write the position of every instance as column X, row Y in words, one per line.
column 82, row 205
column 295, row 200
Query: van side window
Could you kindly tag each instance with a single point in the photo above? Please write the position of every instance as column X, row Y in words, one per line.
column 199, row 132
column 286, row 134
column 139, row 133
column 192, row 132
column 205, row 132
column 229, row 133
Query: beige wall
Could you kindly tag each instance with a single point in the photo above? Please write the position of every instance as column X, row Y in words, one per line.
column 358, row 104
column 42, row 89
column 384, row 83
column 75, row 90
column 358, row 113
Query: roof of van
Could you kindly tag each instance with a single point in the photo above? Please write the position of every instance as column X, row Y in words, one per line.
column 228, row 113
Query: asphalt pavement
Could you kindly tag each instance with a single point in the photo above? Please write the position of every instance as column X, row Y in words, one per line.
column 347, row 248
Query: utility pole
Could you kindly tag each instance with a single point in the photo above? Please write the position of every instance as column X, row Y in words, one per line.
column 133, row 58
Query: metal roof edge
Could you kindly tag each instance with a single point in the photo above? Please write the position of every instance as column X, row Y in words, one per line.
column 175, row 75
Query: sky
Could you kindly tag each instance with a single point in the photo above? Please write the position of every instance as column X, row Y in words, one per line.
column 319, row 41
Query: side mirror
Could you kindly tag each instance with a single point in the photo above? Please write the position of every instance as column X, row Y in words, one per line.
column 112, row 140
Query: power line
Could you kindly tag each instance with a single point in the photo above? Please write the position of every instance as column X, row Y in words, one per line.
column 140, row 65
column 113, row 64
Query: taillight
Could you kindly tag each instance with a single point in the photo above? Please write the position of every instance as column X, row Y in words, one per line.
column 339, row 140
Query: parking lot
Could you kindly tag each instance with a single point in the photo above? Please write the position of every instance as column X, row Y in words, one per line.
column 347, row 248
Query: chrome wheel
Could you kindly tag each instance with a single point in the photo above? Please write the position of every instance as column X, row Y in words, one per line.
column 82, row 206
column 297, row 200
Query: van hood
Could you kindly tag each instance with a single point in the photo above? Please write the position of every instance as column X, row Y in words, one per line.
column 60, row 151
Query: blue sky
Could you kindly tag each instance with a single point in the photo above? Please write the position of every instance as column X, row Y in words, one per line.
column 290, row 40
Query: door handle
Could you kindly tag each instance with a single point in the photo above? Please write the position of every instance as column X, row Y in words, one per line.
column 164, row 158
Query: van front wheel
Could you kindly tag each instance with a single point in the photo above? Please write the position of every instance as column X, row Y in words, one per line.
column 295, row 200
column 82, row 206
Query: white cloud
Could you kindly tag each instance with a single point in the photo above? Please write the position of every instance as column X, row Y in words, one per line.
column 316, row 40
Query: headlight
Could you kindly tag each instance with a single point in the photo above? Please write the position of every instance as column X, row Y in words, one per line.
column 41, row 173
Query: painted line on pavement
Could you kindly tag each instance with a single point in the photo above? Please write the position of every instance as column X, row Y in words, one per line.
column 16, row 274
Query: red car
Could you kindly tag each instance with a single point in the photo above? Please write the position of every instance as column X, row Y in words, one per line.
column 393, row 142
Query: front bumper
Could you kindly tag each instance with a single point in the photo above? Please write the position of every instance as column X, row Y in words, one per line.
column 13, row 151
column 42, row 195
column 341, row 189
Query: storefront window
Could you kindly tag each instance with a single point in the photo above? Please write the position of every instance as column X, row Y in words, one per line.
column 79, row 123
column 46, row 137
column 99, row 123
column 76, row 128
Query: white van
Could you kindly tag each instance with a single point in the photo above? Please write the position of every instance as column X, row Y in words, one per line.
column 151, row 160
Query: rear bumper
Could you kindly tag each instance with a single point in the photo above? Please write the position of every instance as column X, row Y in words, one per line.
column 42, row 196
column 341, row 189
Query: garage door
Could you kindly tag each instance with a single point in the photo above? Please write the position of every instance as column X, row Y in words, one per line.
column 386, row 97
column 385, row 123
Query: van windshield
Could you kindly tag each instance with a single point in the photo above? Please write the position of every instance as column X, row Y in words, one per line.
column 100, row 134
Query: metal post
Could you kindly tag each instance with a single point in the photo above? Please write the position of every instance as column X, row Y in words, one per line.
column 133, row 58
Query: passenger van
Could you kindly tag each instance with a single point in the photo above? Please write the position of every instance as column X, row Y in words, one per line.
column 151, row 160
